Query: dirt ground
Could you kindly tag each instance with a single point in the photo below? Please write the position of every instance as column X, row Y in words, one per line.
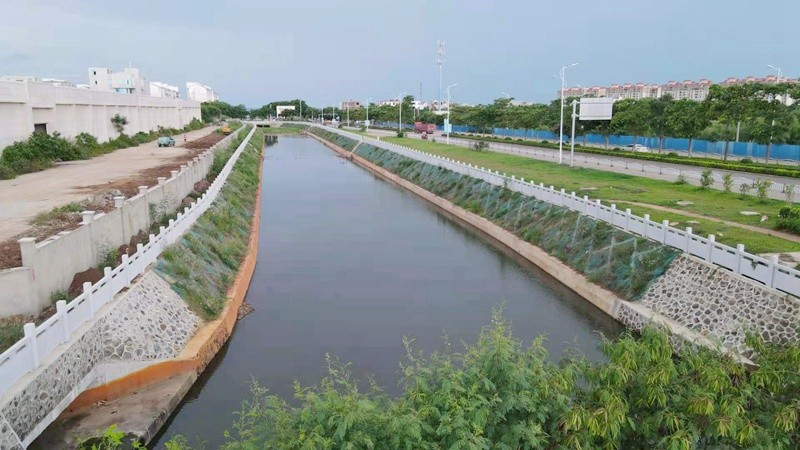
column 121, row 173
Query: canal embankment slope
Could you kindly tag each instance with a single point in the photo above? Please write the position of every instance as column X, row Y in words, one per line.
column 157, row 339
column 696, row 301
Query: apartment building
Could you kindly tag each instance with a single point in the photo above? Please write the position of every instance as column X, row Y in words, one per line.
column 129, row 81
column 200, row 92
column 163, row 90
column 687, row 89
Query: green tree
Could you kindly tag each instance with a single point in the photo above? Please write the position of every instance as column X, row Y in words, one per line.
column 632, row 117
column 686, row 119
column 658, row 124
column 731, row 105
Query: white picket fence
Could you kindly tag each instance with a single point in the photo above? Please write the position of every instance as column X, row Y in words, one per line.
column 39, row 341
column 737, row 260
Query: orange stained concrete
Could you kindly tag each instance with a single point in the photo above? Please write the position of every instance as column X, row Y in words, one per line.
column 203, row 346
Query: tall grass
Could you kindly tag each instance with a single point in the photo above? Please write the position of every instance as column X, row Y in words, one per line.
column 202, row 266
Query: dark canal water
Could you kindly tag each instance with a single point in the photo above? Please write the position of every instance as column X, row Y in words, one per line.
column 348, row 265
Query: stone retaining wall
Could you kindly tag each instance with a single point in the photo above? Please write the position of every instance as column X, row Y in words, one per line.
column 725, row 307
column 148, row 322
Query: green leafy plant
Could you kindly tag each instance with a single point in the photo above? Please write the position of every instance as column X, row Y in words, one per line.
column 745, row 189
column 727, row 181
column 762, row 188
column 119, row 122
column 706, row 179
column 681, row 179
column 788, row 191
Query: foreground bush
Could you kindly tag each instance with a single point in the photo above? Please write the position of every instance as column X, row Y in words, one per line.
column 499, row 394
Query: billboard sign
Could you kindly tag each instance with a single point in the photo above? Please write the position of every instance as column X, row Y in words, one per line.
column 596, row 108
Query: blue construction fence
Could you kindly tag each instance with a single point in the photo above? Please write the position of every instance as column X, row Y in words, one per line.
column 738, row 149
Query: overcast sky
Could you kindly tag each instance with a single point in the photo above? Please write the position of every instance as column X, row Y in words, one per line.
column 254, row 52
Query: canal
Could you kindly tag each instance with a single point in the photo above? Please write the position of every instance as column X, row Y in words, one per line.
column 348, row 265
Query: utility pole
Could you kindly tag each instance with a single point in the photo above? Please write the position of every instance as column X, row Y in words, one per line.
column 449, row 107
column 561, row 126
column 440, row 62
column 367, row 121
column 400, row 120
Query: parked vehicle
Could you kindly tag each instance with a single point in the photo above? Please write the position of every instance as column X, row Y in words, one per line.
column 226, row 130
column 166, row 141
column 637, row 148
column 422, row 127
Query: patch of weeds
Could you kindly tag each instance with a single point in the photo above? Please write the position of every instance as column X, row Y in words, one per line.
column 56, row 213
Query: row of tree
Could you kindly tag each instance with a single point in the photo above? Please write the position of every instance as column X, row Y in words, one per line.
column 756, row 112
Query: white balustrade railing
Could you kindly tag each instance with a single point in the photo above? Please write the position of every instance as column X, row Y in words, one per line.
column 38, row 341
column 735, row 259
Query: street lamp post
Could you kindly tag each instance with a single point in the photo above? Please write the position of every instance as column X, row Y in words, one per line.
column 367, row 121
column 400, row 120
column 447, row 139
column 561, row 126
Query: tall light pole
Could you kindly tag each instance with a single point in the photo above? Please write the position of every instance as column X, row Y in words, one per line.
column 367, row 121
column 440, row 62
column 561, row 126
column 780, row 72
column 400, row 120
column 447, row 139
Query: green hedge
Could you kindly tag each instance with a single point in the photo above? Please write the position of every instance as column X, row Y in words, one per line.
column 619, row 261
column 741, row 166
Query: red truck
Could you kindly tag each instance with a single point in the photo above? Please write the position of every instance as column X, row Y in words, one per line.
column 422, row 127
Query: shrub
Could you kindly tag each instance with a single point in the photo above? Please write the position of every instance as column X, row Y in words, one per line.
column 788, row 191
column 789, row 219
column 6, row 173
column 119, row 122
column 38, row 152
column 400, row 134
column 672, row 155
column 745, row 188
column 727, row 181
column 86, row 144
column 746, row 161
column 706, row 179
column 681, row 179
column 479, row 146
column 762, row 188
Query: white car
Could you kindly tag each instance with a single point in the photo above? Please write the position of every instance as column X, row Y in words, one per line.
column 637, row 148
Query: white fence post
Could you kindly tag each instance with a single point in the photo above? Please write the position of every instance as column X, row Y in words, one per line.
column 774, row 263
column 739, row 252
column 688, row 239
column 61, row 311
column 87, row 290
column 30, row 334
column 665, row 224
column 711, row 241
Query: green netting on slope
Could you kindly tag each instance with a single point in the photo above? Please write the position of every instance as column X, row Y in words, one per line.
column 610, row 257
column 344, row 142
column 201, row 266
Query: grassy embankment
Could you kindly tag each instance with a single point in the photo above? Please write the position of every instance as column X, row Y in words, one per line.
column 621, row 188
column 202, row 266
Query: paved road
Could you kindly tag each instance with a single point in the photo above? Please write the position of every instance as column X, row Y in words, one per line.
column 620, row 164
column 22, row 198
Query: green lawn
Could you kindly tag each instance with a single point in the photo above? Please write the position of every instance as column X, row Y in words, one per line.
column 620, row 188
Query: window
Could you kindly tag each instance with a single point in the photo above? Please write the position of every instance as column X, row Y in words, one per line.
column 95, row 81
column 94, row 72
column 40, row 128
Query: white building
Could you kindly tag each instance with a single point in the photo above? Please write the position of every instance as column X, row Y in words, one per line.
column 28, row 106
column 281, row 108
column 163, row 90
column 200, row 93
column 129, row 81
column 390, row 102
column 420, row 105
